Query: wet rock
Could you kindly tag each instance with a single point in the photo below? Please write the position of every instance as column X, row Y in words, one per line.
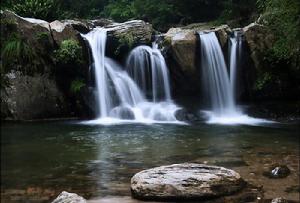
column 186, row 181
column 137, row 29
column 279, row 200
column 259, row 39
column 63, row 31
column 277, row 171
column 122, row 37
column 185, row 115
column 122, row 112
column 101, row 22
column 66, row 197
column 80, row 26
column 25, row 93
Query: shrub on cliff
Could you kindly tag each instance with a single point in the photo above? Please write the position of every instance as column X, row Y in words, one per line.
column 69, row 53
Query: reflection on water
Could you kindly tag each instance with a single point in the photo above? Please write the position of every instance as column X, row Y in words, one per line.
column 100, row 160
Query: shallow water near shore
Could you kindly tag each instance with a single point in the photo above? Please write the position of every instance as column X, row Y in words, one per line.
column 41, row 159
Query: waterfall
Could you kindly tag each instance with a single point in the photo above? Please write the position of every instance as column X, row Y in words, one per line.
column 119, row 98
column 235, row 49
column 218, row 84
column 148, row 68
column 215, row 76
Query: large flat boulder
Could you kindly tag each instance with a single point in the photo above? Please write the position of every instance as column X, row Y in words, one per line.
column 186, row 181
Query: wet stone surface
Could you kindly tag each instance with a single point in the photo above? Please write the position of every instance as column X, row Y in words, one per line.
column 186, row 181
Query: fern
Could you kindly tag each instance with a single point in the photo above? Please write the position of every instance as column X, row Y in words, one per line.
column 16, row 51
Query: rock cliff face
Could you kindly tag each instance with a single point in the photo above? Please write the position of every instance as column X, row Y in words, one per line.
column 30, row 97
column 181, row 47
column 23, row 92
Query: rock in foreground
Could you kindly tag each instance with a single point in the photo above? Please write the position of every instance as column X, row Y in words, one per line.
column 186, row 181
column 66, row 197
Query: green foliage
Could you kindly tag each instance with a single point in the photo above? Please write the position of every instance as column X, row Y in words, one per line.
column 120, row 10
column 283, row 18
column 42, row 9
column 126, row 39
column 76, row 85
column 69, row 52
column 239, row 10
column 162, row 13
column 17, row 52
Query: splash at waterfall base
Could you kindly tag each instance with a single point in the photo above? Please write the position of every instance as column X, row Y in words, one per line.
column 218, row 85
column 119, row 99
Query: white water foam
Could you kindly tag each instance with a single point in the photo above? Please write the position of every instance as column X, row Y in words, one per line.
column 119, row 99
column 220, row 88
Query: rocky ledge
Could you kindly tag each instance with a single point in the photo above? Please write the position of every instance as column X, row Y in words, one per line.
column 186, row 181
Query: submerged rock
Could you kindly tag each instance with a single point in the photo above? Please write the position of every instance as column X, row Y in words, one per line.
column 66, row 197
column 279, row 200
column 186, row 181
column 185, row 115
column 277, row 171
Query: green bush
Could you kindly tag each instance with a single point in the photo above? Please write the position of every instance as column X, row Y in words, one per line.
column 69, row 53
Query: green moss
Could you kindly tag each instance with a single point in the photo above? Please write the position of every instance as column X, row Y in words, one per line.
column 8, row 23
column 42, row 36
column 125, row 40
column 69, row 52
column 262, row 81
column 76, row 85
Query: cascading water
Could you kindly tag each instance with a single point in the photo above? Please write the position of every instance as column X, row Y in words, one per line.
column 119, row 99
column 235, row 49
column 215, row 76
column 144, row 61
column 219, row 84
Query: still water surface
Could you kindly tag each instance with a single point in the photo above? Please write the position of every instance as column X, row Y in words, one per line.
column 100, row 160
